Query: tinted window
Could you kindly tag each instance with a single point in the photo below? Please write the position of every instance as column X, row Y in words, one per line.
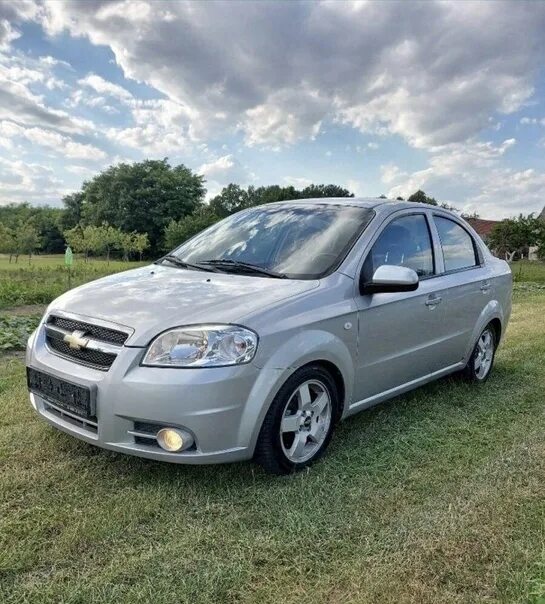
column 457, row 244
column 406, row 242
column 301, row 240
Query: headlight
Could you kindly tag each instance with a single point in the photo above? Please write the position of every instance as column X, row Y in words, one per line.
column 202, row 346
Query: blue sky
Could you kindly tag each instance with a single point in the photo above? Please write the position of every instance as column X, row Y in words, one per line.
column 378, row 97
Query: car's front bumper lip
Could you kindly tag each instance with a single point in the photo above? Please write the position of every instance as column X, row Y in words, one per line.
column 209, row 403
column 131, row 448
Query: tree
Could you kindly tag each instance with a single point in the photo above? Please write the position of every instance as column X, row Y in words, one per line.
column 44, row 219
column 27, row 240
column 7, row 241
column 132, row 243
column 106, row 239
column 178, row 232
column 73, row 210
column 318, row 191
column 234, row 198
column 140, row 243
column 142, row 197
column 421, row 197
column 515, row 235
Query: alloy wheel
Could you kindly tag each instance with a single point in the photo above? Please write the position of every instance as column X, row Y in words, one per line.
column 305, row 421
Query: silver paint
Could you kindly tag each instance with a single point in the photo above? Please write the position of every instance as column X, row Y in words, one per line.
column 399, row 341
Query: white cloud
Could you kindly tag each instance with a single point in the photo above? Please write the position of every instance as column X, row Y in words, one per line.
column 7, row 34
column 222, row 170
column 104, row 87
column 477, row 177
column 22, row 82
column 49, row 139
column 532, row 121
column 22, row 181
column 219, row 167
column 299, row 182
column 431, row 72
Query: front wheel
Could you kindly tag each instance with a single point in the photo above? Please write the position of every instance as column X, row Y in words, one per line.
column 480, row 363
column 299, row 423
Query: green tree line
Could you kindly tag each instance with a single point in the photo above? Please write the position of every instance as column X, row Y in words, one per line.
column 149, row 207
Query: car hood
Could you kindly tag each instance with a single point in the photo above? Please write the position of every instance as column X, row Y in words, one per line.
column 152, row 299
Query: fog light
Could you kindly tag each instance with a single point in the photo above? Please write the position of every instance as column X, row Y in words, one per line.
column 173, row 440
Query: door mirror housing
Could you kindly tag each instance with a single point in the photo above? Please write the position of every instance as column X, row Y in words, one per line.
column 390, row 278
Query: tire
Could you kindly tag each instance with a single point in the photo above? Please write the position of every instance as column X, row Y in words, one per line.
column 480, row 363
column 300, row 422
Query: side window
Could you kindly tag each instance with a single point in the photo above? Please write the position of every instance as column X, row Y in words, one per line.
column 457, row 244
column 406, row 242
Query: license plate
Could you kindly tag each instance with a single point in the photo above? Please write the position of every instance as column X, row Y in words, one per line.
column 67, row 396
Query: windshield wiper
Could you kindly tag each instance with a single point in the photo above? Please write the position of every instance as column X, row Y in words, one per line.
column 246, row 266
column 183, row 264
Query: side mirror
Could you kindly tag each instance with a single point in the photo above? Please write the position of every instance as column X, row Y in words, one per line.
column 391, row 278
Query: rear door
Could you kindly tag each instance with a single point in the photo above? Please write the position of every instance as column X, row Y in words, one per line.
column 466, row 282
column 400, row 335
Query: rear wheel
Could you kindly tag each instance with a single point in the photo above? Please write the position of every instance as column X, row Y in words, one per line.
column 480, row 364
column 299, row 423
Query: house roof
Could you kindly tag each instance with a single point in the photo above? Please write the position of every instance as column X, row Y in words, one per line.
column 481, row 226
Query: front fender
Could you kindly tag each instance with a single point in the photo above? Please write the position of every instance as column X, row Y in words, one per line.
column 297, row 351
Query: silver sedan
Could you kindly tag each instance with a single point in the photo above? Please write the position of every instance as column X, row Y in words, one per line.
column 257, row 336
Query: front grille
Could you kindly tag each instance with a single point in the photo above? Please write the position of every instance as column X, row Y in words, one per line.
column 87, row 424
column 104, row 334
column 91, row 358
column 102, row 345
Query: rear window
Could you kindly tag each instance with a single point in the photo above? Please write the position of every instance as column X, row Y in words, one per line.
column 457, row 244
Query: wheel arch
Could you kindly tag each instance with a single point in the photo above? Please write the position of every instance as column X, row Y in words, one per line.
column 327, row 352
column 492, row 314
column 497, row 326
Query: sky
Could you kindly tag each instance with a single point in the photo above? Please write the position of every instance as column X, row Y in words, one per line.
column 379, row 97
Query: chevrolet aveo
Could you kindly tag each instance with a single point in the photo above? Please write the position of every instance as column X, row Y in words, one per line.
column 255, row 337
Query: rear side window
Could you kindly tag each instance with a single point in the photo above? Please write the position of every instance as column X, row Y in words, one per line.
column 457, row 243
column 406, row 241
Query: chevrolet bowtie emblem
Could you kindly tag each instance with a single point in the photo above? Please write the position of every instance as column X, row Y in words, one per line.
column 76, row 339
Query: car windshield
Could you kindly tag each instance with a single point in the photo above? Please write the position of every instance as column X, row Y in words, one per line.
column 299, row 241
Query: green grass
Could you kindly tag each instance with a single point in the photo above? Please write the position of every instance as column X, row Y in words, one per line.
column 525, row 270
column 437, row 496
column 46, row 277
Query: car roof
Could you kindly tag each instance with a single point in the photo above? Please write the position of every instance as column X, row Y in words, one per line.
column 361, row 202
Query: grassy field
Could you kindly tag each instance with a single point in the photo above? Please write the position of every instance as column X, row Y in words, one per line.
column 437, row 496
column 525, row 270
column 46, row 277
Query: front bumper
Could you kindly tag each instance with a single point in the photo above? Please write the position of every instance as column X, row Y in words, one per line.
column 220, row 406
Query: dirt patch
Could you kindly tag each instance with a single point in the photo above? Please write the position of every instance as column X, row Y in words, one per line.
column 25, row 309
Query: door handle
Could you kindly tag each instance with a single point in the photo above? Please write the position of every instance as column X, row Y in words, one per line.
column 433, row 301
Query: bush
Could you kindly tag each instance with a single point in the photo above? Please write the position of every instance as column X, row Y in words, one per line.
column 14, row 331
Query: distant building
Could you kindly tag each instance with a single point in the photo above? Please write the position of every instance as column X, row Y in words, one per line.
column 483, row 227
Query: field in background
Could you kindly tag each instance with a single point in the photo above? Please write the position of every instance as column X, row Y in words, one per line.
column 437, row 496
column 526, row 270
column 46, row 277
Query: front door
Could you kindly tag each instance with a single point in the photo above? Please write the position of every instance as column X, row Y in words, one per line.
column 400, row 335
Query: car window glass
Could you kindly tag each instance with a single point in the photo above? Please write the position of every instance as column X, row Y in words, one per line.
column 457, row 245
column 405, row 242
column 301, row 240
